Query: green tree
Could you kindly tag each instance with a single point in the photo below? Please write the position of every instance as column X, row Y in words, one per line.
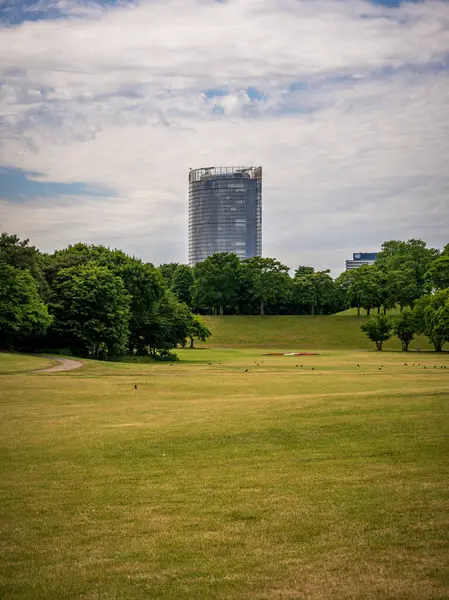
column 378, row 330
column 18, row 253
column 167, row 270
column 91, row 311
column 198, row 329
column 167, row 327
column 22, row 311
column 142, row 281
column 401, row 287
column 182, row 281
column 438, row 272
column 265, row 280
column 217, row 282
column 304, row 270
column 413, row 258
column 432, row 318
column 405, row 327
column 313, row 292
column 363, row 287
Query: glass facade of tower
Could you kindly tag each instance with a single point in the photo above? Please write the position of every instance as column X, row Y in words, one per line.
column 225, row 212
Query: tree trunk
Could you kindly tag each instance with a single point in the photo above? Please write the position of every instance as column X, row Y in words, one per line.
column 404, row 345
column 385, row 310
column 191, row 342
column 358, row 311
column 368, row 310
column 313, row 308
column 261, row 307
column 378, row 310
column 438, row 346
column 379, row 345
column 221, row 310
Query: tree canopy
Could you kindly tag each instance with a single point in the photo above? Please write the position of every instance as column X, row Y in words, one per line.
column 22, row 311
column 101, row 302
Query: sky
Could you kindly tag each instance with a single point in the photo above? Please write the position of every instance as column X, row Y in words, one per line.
column 104, row 107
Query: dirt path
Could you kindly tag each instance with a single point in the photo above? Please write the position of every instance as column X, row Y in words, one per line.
column 65, row 364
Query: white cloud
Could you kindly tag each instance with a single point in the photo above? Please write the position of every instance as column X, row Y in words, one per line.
column 354, row 154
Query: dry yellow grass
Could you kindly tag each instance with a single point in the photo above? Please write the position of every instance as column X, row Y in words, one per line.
column 209, row 482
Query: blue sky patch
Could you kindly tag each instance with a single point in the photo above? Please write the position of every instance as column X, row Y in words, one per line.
column 18, row 185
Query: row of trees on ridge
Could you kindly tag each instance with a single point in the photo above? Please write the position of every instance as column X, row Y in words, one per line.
column 94, row 301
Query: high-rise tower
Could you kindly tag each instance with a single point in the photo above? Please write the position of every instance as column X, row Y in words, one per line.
column 225, row 212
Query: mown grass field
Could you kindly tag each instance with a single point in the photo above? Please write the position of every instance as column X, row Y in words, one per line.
column 211, row 482
column 295, row 333
column 353, row 312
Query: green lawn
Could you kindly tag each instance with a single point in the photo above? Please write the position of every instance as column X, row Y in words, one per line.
column 209, row 482
column 353, row 312
column 294, row 333
column 16, row 363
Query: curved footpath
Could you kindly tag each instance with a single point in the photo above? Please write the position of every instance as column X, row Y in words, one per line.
column 65, row 364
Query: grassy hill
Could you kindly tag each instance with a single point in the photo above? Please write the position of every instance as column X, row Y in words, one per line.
column 352, row 312
column 294, row 333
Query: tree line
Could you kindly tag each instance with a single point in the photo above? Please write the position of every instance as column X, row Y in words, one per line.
column 90, row 301
column 97, row 302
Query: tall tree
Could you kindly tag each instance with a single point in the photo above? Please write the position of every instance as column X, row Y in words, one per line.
column 182, row 281
column 438, row 273
column 266, row 280
column 413, row 259
column 216, row 284
column 304, row 270
column 167, row 327
column 167, row 270
column 144, row 284
column 313, row 292
column 18, row 253
column 405, row 327
column 432, row 317
column 91, row 309
column 363, row 286
column 22, row 311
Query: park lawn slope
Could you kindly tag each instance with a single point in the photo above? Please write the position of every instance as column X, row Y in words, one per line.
column 16, row 363
column 226, row 477
column 294, row 333
column 352, row 312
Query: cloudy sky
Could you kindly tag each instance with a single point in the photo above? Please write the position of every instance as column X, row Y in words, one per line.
column 104, row 106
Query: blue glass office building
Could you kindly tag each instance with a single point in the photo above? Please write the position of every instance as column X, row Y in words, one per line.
column 225, row 212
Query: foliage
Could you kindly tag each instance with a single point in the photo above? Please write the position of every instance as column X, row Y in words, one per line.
column 404, row 328
column 266, row 280
column 143, row 283
column 409, row 261
column 152, row 313
column 91, row 309
column 181, row 283
column 313, row 292
column 167, row 327
column 198, row 329
column 304, row 270
column 363, row 287
column 22, row 311
column 18, row 253
column 438, row 272
column 378, row 329
column 217, row 282
column 432, row 318
column 167, row 270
